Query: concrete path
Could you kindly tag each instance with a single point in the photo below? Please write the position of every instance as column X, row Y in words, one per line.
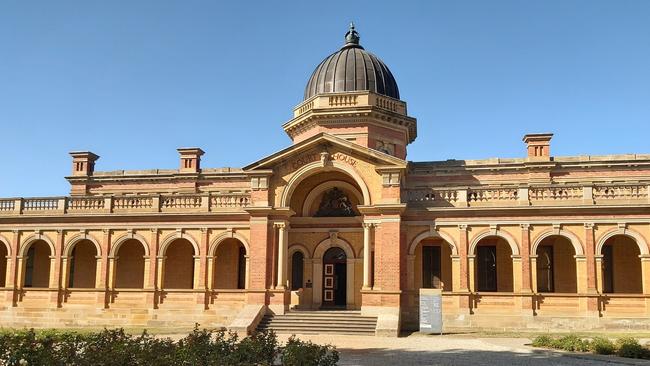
column 418, row 349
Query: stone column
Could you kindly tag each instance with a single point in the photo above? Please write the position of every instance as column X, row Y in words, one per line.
column 526, row 275
column 160, row 265
column 349, row 285
column 210, row 277
column 197, row 272
column 13, row 279
column 599, row 273
column 533, row 273
column 98, row 269
column 248, row 271
column 366, row 255
column 318, row 282
column 65, row 272
column 465, row 267
column 455, row 272
column 151, row 271
column 56, row 269
column 283, row 249
column 54, row 278
column 112, row 262
column 471, row 265
column 645, row 280
column 202, row 270
column 592, row 269
column 103, row 272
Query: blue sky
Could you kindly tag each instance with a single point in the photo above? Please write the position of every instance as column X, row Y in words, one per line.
column 134, row 80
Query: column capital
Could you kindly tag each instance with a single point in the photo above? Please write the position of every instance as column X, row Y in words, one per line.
column 462, row 227
column 524, row 226
column 368, row 225
column 589, row 225
column 280, row 225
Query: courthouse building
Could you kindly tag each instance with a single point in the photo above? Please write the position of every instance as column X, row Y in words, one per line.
column 340, row 220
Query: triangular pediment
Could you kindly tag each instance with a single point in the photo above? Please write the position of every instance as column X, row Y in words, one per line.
column 323, row 142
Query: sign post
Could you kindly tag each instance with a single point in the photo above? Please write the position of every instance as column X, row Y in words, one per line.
column 430, row 310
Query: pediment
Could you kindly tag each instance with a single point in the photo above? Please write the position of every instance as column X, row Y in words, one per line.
column 314, row 148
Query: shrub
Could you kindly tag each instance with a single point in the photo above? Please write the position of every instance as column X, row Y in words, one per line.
column 115, row 347
column 571, row 343
column 543, row 341
column 602, row 346
column 299, row 353
column 630, row 347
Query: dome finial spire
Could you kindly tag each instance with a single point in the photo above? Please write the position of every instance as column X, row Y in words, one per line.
column 352, row 36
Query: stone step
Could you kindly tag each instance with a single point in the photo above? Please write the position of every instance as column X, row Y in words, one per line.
column 319, row 322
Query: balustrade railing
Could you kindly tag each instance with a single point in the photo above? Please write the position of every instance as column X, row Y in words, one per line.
column 181, row 202
column 132, row 203
column 7, row 205
column 85, row 203
column 532, row 196
column 492, row 195
column 230, row 201
column 40, row 204
column 620, row 192
column 555, row 193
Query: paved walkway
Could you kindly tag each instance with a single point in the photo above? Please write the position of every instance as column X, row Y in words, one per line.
column 423, row 350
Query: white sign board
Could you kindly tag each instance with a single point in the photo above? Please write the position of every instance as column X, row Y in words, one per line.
column 430, row 310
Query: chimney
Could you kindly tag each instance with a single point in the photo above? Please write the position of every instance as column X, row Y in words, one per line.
column 190, row 159
column 83, row 163
column 538, row 145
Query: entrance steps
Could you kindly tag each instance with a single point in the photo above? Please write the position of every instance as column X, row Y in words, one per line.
column 320, row 322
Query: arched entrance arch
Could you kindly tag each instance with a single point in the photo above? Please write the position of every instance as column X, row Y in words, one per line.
column 37, row 260
column 81, row 261
column 320, row 167
column 619, row 265
column 491, row 261
column 320, row 260
column 229, row 254
column 429, row 261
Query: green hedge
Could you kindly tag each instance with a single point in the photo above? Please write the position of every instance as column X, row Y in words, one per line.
column 201, row 347
column 623, row 347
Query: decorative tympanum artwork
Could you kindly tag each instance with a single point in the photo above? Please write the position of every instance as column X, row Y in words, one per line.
column 335, row 204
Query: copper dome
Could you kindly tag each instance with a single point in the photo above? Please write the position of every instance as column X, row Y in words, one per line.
column 352, row 68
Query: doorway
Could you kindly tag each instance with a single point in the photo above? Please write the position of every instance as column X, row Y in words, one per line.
column 334, row 278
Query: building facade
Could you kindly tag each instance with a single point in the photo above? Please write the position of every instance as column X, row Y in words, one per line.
column 338, row 220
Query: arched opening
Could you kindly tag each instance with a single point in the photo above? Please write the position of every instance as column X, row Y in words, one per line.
column 433, row 264
column 83, row 265
column 621, row 266
column 328, row 194
column 179, row 265
column 129, row 272
column 37, row 265
column 334, row 278
column 3, row 264
column 230, row 265
column 556, row 265
column 297, row 270
column 493, row 266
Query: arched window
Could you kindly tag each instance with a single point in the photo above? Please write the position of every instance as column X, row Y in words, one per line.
column 297, row 270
